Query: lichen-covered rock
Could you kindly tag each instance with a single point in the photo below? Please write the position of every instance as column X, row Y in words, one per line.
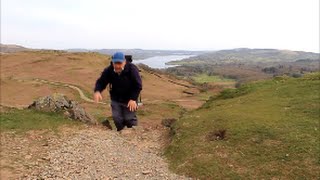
column 60, row 103
column 78, row 113
column 53, row 103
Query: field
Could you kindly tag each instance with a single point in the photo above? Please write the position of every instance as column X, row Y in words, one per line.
column 204, row 78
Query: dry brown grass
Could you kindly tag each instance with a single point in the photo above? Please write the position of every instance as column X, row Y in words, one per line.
column 82, row 70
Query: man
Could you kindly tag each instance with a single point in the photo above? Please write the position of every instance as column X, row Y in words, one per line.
column 125, row 86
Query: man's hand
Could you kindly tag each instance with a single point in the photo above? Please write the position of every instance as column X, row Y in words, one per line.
column 132, row 105
column 97, row 97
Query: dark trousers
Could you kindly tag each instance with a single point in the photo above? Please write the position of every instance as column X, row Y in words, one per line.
column 122, row 116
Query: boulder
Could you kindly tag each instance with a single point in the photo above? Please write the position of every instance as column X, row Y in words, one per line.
column 59, row 103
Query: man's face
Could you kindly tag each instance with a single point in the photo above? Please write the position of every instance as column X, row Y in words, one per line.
column 119, row 66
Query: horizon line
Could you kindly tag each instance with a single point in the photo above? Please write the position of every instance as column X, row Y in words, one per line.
column 192, row 50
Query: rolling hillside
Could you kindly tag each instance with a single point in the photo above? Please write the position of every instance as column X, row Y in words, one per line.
column 263, row 130
column 246, row 65
column 26, row 76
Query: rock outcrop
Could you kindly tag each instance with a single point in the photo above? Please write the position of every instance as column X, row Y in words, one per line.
column 59, row 103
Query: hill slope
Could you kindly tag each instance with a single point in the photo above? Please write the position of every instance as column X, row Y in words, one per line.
column 19, row 71
column 245, row 55
column 11, row 48
column 271, row 131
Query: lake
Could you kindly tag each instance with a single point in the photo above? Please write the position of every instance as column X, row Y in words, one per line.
column 159, row 62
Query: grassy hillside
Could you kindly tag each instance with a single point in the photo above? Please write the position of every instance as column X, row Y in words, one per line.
column 267, row 129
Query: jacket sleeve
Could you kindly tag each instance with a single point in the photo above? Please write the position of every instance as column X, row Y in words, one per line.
column 103, row 80
column 137, row 85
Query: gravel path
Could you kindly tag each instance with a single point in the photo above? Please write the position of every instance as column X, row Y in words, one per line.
column 96, row 153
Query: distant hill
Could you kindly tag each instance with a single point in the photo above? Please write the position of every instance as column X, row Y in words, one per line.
column 10, row 48
column 249, row 55
column 139, row 53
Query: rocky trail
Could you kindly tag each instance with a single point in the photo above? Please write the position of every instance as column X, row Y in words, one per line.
column 92, row 152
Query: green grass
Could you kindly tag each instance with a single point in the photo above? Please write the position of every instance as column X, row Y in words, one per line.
column 161, row 110
column 27, row 119
column 272, row 131
column 204, row 78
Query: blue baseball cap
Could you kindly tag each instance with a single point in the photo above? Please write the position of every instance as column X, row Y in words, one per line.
column 118, row 57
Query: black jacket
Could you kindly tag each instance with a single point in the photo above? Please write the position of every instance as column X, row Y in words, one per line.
column 124, row 87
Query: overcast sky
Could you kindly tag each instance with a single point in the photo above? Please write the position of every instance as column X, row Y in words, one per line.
column 161, row 24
